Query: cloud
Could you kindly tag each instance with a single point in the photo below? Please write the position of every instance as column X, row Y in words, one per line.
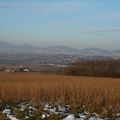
column 57, row 6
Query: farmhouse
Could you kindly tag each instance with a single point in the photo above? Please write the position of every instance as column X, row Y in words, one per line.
column 18, row 69
column 22, row 69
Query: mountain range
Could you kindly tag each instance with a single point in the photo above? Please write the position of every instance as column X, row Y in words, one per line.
column 6, row 47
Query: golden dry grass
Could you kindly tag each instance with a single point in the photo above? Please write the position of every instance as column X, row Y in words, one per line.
column 97, row 94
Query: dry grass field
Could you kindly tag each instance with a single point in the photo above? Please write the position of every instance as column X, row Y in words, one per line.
column 96, row 94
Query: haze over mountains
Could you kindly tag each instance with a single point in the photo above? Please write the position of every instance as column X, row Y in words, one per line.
column 6, row 47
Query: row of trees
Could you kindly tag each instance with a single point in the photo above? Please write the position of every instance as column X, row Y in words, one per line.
column 101, row 68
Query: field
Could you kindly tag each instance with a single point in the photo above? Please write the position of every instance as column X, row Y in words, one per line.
column 94, row 94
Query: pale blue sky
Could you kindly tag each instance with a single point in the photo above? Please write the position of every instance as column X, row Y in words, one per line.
column 76, row 23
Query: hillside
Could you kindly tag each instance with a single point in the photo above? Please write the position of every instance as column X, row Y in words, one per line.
column 6, row 47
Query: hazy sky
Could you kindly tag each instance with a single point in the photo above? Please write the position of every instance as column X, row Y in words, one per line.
column 76, row 23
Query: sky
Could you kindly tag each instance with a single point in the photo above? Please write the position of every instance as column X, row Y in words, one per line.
column 76, row 23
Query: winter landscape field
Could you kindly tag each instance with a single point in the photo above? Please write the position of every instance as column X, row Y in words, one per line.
column 59, row 59
column 35, row 96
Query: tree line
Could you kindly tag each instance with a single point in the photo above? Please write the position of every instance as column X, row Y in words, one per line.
column 98, row 68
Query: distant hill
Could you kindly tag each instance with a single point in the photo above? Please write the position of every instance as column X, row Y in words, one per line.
column 11, row 48
column 117, row 51
column 6, row 47
column 56, row 49
column 95, row 51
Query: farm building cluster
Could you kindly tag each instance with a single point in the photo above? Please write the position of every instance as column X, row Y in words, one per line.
column 20, row 68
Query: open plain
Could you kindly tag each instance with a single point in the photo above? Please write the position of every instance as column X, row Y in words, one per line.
column 96, row 94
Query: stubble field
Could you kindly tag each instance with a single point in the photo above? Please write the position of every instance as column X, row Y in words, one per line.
column 100, row 95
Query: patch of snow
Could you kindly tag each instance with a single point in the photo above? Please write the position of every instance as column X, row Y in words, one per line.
column 82, row 116
column 26, row 117
column 11, row 117
column 94, row 116
column 70, row 117
column 43, row 116
column 53, row 111
column 62, row 109
column 7, row 111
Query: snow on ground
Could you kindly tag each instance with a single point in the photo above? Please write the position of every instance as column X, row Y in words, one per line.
column 70, row 117
column 7, row 112
column 82, row 117
column 12, row 118
column 49, row 110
